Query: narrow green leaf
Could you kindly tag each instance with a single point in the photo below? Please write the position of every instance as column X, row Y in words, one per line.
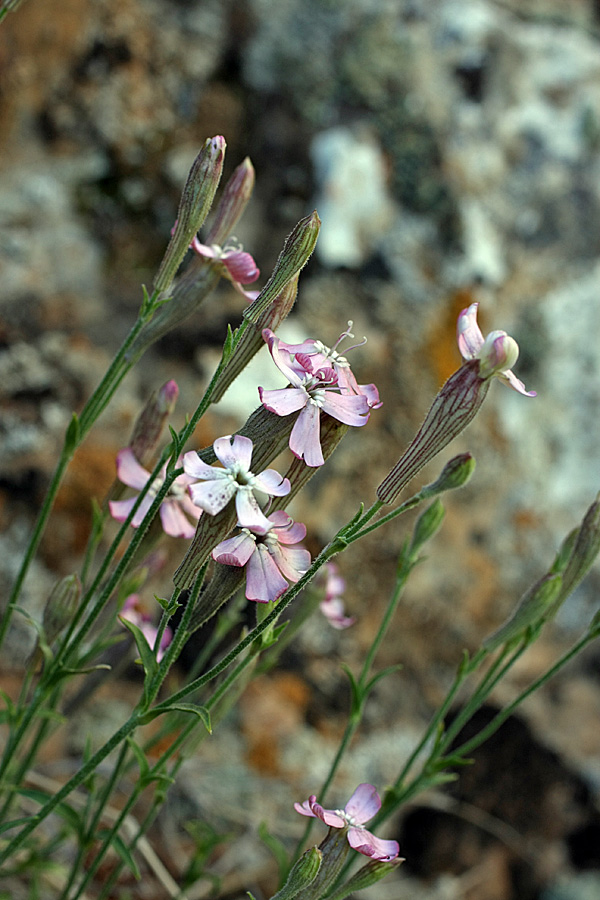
column 147, row 657
column 389, row 670
column 140, row 757
column 276, row 847
column 72, row 434
column 118, row 844
column 357, row 693
column 14, row 823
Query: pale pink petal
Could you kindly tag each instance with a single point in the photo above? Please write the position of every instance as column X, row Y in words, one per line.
column 174, row 522
column 205, row 250
column 304, row 808
column 224, row 452
column 305, row 441
column 249, row 513
column 468, row 333
column 372, row 394
column 235, row 551
column 240, row 266
column 248, row 295
column 129, row 470
column 120, row 509
column 283, row 401
column 195, row 468
column 329, row 816
column 512, row 381
column 292, row 562
column 363, row 804
column 142, row 510
column 351, row 409
column 189, row 508
column 292, row 533
column 366, row 843
column 333, row 610
column 264, row 581
column 271, row 482
column 281, row 358
column 241, row 448
column 212, row 496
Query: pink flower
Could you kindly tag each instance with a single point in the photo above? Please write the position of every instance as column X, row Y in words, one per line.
column 362, row 806
column 324, row 356
column 173, row 509
column 332, row 606
column 235, row 480
column 236, row 265
column 270, row 558
column 134, row 612
column 496, row 353
column 313, row 388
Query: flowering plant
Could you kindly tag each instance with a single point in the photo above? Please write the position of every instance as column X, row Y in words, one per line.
column 234, row 518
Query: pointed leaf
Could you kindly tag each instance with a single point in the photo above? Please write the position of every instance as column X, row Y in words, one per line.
column 147, row 657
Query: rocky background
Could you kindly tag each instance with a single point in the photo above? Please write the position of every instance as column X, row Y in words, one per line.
column 452, row 149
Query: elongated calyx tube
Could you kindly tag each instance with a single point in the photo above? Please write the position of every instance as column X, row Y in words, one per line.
column 456, row 405
column 196, row 201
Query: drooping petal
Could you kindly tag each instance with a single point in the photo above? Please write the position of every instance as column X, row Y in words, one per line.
column 264, row 581
column 281, row 358
column 174, row 522
column 366, row 843
column 240, row 266
column 292, row 562
column 206, row 250
column 235, row 551
column 515, row 383
column 305, row 441
column 195, row 468
column 120, row 509
column 372, row 394
column 271, row 483
column 468, row 332
column 129, row 470
column 249, row 513
column 363, row 804
column 283, row 401
column 304, row 808
column 351, row 409
column 212, row 496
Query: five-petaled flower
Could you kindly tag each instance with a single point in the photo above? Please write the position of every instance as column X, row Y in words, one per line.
column 496, row 353
column 362, row 806
column 235, row 480
column 332, row 606
column 313, row 387
column 270, row 558
column 173, row 510
column 235, row 264
column 134, row 612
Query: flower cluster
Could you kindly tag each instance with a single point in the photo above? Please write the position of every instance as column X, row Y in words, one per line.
column 362, row 806
column 320, row 379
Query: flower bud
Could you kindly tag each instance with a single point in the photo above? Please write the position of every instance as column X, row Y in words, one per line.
column 296, row 252
column 534, row 606
column 302, row 873
column 252, row 340
column 428, row 523
column 455, row 406
column 196, row 200
column 455, row 474
column 151, row 420
column 61, row 606
column 370, row 874
column 232, row 204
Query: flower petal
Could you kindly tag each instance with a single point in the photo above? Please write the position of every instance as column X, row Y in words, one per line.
column 305, row 440
column 240, row 266
column 351, row 409
column 212, row 496
column 366, row 843
column 272, row 483
column 333, row 610
column 129, row 470
column 264, row 581
column 304, row 808
column 512, row 381
column 120, row 509
column 283, row 401
column 363, row 804
column 174, row 522
column 235, row 551
column 205, row 250
column 281, row 358
column 292, row 562
column 195, row 468
column 249, row 513
column 468, row 333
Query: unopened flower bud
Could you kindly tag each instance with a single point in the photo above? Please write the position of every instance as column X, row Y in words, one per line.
column 427, row 524
column 302, row 874
column 61, row 606
column 455, row 474
column 151, row 421
column 370, row 874
column 296, row 252
column 232, row 204
column 252, row 340
column 585, row 551
column 498, row 353
column 455, row 406
column 196, row 200
column 534, row 606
